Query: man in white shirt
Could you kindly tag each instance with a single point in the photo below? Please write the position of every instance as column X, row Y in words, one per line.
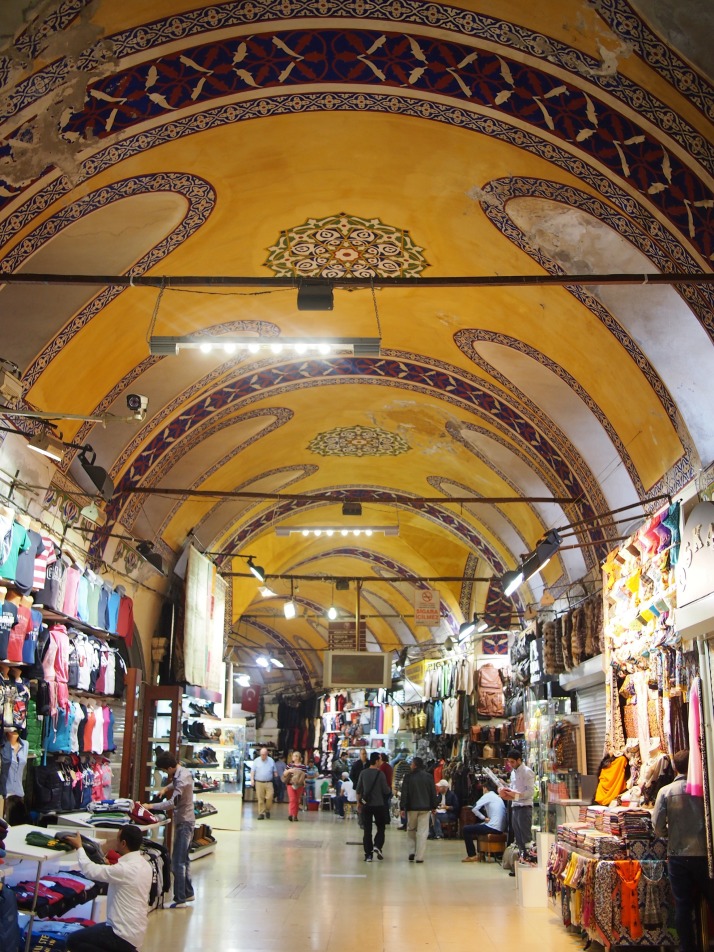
column 520, row 793
column 127, row 897
column 347, row 794
column 262, row 774
column 490, row 811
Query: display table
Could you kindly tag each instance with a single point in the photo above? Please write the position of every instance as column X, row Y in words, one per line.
column 70, row 821
column 16, row 847
column 588, row 890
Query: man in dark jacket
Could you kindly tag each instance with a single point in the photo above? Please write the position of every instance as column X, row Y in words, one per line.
column 418, row 801
column 372, row 793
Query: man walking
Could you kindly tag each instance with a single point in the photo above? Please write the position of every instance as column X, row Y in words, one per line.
column 262, row 774
column 418, row 800
column 520, row 793
column 372, row 793
column 680, row 817
column 178, row 794
column 490, row 811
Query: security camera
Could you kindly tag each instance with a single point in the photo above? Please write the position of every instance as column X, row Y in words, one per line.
column 137, row 403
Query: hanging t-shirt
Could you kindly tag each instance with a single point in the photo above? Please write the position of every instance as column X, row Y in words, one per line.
column 25, row 572
column 19, row 542
column 72, row 577
column 113, row 611
column 8, row 620
column 125, row 623
column 82, row 599
column 45, row 556
column 16, row 641
column 29, row 648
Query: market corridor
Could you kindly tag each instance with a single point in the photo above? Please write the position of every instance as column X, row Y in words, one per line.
column 305, row 887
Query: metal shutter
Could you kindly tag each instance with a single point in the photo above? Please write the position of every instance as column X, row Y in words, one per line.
column 591, row 704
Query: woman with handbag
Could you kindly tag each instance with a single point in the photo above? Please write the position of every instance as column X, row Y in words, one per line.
column 294, row 780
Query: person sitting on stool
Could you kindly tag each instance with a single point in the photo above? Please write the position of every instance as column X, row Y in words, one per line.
column 490, row 811
column 127, row 897
column 447, row 810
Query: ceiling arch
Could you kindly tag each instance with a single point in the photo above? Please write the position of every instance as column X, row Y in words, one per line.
column 176, row 140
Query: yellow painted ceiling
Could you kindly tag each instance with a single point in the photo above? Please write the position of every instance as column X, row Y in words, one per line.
column 173, row 141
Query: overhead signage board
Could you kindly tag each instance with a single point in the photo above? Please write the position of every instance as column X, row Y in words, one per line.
column 427, row 607
column 341, row 636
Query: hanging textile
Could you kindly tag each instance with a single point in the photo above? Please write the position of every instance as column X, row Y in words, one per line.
column 695, row 776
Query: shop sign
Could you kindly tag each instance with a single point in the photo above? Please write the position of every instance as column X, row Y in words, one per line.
column 427, row 607
column 341, row 636
column 695, row 568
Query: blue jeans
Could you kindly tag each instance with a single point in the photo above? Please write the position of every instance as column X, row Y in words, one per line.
column 183, row 887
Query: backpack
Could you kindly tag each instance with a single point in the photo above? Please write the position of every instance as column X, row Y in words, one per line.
column 156, row 892
column 510, row 857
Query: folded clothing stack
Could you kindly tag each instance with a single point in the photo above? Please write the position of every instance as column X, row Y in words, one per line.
column 56, row 894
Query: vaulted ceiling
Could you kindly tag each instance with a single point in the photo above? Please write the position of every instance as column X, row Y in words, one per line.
column 354, row 139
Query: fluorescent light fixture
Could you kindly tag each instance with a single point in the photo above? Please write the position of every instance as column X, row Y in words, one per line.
column 243, row 680
column 289, row 346
column 511, row 580
column 267, row 592
column 48, row 445
column 277, row 662
column 449, row 643
column 329, row 531
column 351, row 508
column 332, row 613
column 257, row 570
column 547, row 547
column 289, row 609
column 262, row 661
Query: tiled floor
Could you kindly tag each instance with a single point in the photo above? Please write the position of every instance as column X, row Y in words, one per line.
column 304, row 887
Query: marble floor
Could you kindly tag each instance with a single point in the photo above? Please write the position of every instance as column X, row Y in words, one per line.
column 304, row 887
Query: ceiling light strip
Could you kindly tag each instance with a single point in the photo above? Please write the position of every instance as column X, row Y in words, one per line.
column 330, row 531
column 244, row 344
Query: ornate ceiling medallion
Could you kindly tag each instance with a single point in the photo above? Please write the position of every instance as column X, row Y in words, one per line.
column 344, row 246
column 358, row 441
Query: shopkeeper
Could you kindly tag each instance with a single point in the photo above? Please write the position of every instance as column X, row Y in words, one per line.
column 127, row 897
column 520, row 793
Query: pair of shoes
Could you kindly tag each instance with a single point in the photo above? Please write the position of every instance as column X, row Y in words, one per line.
column 512, row 873
column 190, row 898
column 438, row 837
column 411, row 857
column 177, row 905
column 368, row 858
column 261, row 816
column 295, row 819
column 470, row 859
column 419, row 861
column 378, row 853
column 431, row 836
column 290, row 819
column 267, row 815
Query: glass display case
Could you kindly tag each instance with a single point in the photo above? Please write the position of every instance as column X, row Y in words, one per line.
column 555, row 745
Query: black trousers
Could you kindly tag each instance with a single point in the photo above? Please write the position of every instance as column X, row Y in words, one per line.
column 99, row 938
column 689, row 879
column 380, row 817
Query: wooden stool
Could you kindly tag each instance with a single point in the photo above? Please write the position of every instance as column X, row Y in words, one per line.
column 491, row 843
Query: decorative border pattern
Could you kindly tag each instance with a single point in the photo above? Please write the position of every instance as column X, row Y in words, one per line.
column 301, row 472
column 189, row 439
column 286, row 645
column 201, row 201
column 432, row 16
column 498, row 193
column 625, row 23
column 463, row 340
column 460, row 389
